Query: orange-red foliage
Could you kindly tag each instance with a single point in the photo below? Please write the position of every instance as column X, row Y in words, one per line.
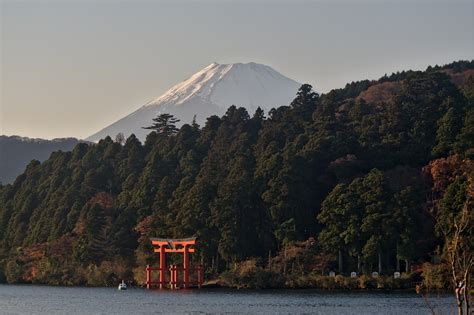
column 145, row 227
column 105, row 200
column 33, row 252
column 442, row 172
column 62, row 247
column 383, row 92
column 461, row 77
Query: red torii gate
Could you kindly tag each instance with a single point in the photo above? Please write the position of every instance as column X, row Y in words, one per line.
column 163, row 246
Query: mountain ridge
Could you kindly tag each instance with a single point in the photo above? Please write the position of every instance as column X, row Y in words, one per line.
column 17, row 152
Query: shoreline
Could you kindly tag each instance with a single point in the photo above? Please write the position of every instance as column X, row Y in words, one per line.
column 227, row 288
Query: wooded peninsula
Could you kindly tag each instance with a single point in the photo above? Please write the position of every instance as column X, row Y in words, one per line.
column 377, row 176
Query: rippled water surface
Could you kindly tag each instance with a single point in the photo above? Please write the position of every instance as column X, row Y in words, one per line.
column 27, row 299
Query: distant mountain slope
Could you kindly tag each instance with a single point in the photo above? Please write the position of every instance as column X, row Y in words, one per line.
column 16, row 152
column 210, row 92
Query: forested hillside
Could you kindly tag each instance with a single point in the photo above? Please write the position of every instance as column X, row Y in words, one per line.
column 373, row 172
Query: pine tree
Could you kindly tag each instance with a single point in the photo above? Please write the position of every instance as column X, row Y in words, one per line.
column 164, row 124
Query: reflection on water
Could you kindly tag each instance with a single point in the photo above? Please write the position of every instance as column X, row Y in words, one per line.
column 27, row 299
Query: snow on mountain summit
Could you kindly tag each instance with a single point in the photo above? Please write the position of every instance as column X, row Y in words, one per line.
column 210, row 91
column 229, row 84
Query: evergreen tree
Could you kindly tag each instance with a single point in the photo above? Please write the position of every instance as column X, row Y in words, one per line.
column 164, row 124
column 465, row 138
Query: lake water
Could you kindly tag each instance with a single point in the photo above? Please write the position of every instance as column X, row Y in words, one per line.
column 30, row 299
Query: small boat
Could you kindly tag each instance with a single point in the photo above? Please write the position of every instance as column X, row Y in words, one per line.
column 122, row 286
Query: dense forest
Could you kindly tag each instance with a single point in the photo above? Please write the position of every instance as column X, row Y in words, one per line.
column 364, row 178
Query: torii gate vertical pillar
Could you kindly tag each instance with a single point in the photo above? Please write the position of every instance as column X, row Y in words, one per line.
column 148, row 276
column 162, row 267
column 186, row 266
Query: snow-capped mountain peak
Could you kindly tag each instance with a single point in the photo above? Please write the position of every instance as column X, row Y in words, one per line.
column 200, row 83
column 211, row 91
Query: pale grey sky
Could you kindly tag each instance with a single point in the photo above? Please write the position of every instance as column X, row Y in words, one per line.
column 69, row 68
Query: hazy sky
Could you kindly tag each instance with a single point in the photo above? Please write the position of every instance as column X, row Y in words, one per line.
column 69, row 68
